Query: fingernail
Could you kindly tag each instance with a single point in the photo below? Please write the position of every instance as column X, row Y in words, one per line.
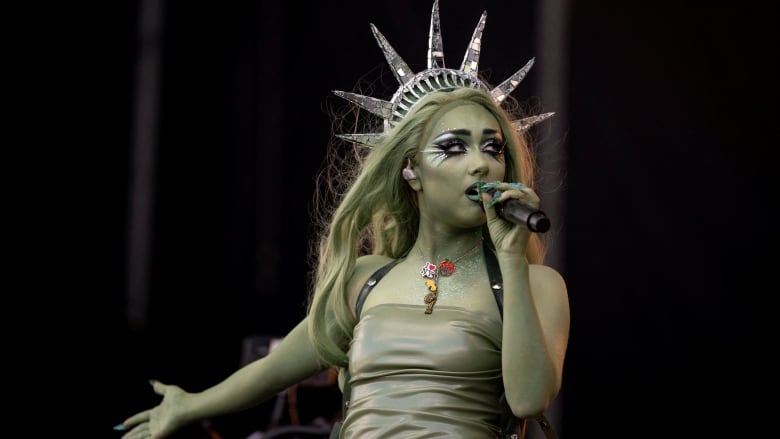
column 486, row 186
column 119, row 427
column 494, row 200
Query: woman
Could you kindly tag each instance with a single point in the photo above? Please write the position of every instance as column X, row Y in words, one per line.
column 424, row 348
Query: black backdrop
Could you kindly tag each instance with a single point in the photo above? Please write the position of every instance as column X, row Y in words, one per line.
column 668, row 190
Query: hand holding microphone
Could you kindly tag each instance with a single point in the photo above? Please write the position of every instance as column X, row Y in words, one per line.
column 515, row 211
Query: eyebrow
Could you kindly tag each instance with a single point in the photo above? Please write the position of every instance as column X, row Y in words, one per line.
column 465, row 132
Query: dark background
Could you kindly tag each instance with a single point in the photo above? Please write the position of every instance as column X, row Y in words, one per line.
column 669, row 138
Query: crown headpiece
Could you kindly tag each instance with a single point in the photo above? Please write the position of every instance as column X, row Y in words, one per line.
column 415, row 86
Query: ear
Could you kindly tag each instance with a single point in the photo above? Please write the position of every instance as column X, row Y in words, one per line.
column 415, row 185
column 411, row 177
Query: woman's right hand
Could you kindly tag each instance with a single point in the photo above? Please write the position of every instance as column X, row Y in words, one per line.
column 162, row 420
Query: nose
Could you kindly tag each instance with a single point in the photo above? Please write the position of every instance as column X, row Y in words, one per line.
column 478, row 164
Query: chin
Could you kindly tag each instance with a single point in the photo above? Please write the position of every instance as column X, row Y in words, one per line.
column 473, row 221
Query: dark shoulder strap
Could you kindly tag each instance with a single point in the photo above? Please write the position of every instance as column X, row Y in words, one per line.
column 369, row 285
column 494, row 274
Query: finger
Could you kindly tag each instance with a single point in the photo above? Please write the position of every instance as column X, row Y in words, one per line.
column 505, row 185
column 499, row 196
column 518, row 191
column 158, row 387
column 489, row 203
column 136, row 419
column 142, row 431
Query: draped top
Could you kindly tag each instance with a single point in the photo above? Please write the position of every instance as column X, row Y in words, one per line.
column 416, row 375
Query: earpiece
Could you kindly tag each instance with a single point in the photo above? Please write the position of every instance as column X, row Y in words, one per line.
column 408, row 172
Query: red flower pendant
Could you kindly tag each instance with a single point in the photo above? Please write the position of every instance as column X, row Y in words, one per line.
column 446, row 267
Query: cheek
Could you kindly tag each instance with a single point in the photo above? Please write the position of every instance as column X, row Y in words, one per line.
column 498, row 169
column 435, row 160
column 434, row 166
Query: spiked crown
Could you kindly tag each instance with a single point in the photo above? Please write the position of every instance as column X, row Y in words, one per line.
column 415, row 86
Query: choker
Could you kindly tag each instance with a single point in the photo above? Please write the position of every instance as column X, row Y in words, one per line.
column 431, row 273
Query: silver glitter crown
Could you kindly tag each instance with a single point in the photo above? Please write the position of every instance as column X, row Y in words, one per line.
column 435, row 78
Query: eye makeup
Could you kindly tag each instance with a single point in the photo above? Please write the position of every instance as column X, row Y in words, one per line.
column 451, row 143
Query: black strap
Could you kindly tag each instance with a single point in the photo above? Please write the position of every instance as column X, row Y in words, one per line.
column 369, row 285
column 494, row 274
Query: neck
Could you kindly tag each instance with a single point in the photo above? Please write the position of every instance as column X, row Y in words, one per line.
column 448, row 246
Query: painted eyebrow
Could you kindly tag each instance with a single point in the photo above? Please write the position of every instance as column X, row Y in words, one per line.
column 465, row 132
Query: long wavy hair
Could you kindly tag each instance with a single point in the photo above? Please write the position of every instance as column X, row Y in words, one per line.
column 376, row 213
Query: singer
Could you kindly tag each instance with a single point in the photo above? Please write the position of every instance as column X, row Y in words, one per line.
column 436, row 308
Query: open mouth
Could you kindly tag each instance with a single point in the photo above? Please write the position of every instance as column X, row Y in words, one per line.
column 472, row 192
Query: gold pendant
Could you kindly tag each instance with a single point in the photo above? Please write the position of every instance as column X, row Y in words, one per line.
column 430, row 300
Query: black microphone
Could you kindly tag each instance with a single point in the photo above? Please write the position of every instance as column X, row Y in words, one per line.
column 518, row 213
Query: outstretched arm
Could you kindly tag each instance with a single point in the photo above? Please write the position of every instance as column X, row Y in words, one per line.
column 292, row 361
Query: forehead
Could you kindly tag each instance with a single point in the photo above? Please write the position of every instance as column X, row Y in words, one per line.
column 470, row 116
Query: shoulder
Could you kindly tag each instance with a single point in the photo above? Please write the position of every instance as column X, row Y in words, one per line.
column 548, row 287
column 365, row 266
column 547, row 284
column 545, row 275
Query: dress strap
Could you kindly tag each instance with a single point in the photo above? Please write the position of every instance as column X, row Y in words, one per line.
column 369, row 285
column 494, row 274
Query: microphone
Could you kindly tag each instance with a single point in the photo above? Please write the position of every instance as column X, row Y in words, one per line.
column 518, row 213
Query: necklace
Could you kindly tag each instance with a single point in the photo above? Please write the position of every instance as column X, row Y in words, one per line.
column 431, row 273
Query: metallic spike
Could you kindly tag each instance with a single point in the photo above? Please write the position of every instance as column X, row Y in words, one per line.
column 401, row 71
column 369, row 139
column 379, row 107
column 505, row 88
column 435, row 45
column 471, row 59
column 527, row 122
